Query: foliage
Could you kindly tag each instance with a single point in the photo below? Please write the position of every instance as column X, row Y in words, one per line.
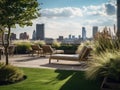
column 12, row 12
column 68, row 47
column 22, row 48
column 19, row 12
column 105, row 65
column 44, row 79
column 87, row 43
column 10, row 74
column 104, row 41
column 40, row 43
column 56, row 44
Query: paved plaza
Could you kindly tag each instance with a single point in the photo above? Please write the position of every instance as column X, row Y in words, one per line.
column 43, row 62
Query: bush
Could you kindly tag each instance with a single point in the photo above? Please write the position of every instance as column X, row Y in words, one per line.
column 10, row 74
column 87, row 43
column 23, row 48
column 56, row 44
column 38, row 42
column 105, row 65
column 68, row 47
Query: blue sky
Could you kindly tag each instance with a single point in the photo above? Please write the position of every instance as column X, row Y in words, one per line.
column 64, row 17
column 69, row 3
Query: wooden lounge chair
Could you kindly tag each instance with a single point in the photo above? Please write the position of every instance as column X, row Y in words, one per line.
column 83, row 55
column 11, row 50
column 47, row 49
column 36, row 49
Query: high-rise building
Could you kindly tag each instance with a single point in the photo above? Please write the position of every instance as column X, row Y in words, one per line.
column 79, row 36
column 95, row 30
column 60, row 38
column 40, row 32
column 13, row 36
column 73, row 36
column 34, row 35
column 24, row 36
column 70, row 36
column 83, row 33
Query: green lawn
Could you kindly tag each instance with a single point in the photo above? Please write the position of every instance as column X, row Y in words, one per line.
column 47, row 79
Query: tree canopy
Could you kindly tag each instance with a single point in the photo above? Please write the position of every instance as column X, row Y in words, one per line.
column 14, row 12
column 19, row 12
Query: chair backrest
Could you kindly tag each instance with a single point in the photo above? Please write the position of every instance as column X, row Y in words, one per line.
column 84, row 53
column 35, row 47
column 47, row 49
column 11, row 49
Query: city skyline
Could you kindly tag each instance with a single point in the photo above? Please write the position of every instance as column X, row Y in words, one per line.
column 64, row 17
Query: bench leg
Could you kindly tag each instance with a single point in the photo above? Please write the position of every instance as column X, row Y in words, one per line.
column 57, row 60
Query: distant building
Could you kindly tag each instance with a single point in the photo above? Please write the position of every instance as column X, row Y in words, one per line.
column 13, row 36
column 73, row 36
column 83, row 33
column 70, row 36
column 79, row 36
column 34, row 35
column 24, row 36
column 40, row 32
column 95, row 30
column 49, row 40
column 60, row 38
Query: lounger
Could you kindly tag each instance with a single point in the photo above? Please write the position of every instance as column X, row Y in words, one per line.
column 47, row 49
column 83, row 55
column 36, row 49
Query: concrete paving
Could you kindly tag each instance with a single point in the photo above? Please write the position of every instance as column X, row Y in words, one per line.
column 43, row 62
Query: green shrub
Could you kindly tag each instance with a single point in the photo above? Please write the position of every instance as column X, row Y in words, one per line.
column 23, row 48
column 104, row 65
column 68, row 47
column 56, row 44
column 87, row 43
column 10, row 74
column 38, row 42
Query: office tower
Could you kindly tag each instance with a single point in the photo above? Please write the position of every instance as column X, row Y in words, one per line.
column 73, row 36
column 40, row 32
column 60, row 38
column 70, row 36
column 83, row 33
column 95, row 30
column 13, row 36
column 79, row 36
column 24, row 36
column 34, row 35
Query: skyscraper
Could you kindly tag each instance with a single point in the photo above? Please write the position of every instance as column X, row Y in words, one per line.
column 95, row 30
column 40, row 32
column 83, row 33
column 24, row 36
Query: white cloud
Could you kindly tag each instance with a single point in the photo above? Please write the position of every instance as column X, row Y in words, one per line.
column 105, row 9
column 110, row 9
column 61, row 12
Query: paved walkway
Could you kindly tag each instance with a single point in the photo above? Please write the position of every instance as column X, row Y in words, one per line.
column 42, row 62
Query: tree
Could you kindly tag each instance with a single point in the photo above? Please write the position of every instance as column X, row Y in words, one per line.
column 13, row 12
